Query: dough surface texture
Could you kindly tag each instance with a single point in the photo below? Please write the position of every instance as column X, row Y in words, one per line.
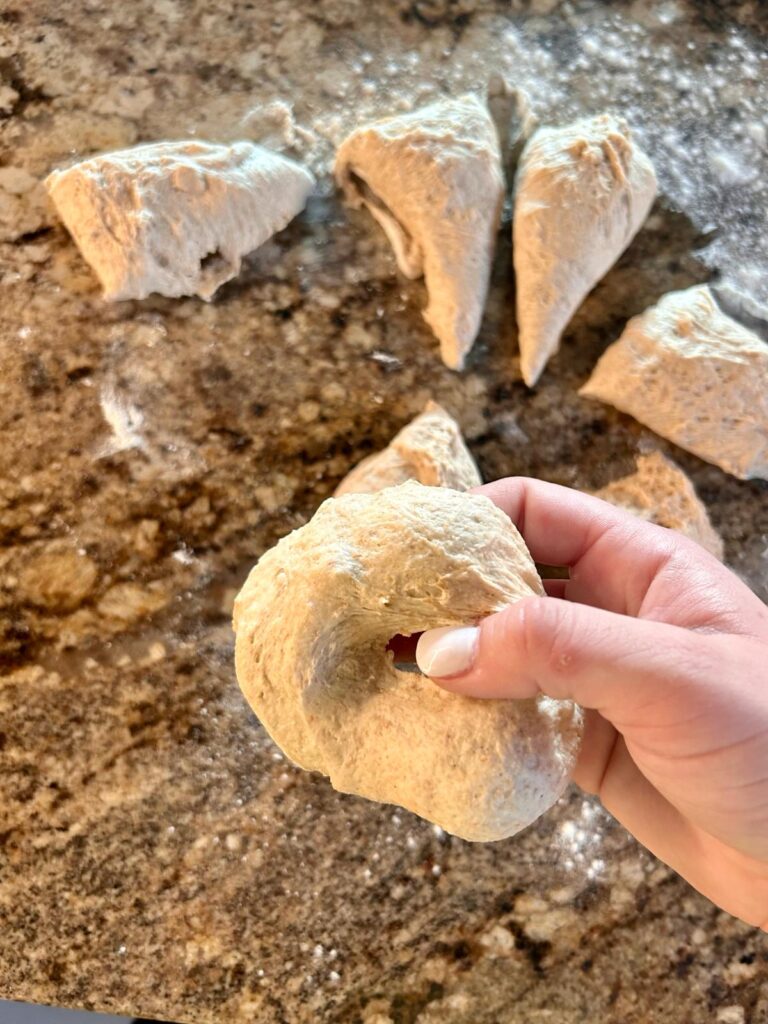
column 696, row 377
column 581, row 194
column 176, row 218
column 434, row 182
column 429, row 449
column 313, row 621
column 660, row 492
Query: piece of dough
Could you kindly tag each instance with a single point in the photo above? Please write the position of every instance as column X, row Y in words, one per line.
column 429, row 449
column 660, row 492
column 313, row 621
column 581, row 194
column 433, row 180
column 176, row 218
column 695, row 376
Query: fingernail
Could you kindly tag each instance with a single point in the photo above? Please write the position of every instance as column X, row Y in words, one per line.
column 449, row 651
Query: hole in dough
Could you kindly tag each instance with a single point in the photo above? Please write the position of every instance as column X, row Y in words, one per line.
column 404, row 651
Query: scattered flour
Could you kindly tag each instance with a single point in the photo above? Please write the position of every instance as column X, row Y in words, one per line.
column 697, row 109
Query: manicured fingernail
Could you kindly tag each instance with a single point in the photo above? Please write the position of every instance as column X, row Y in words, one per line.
column 449, row 651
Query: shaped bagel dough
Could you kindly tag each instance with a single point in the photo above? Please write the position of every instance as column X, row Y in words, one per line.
column 429, row 449
column 433, row 180
column 313, row 621
column 581, row 194
column 176, row 218
column 695, row 376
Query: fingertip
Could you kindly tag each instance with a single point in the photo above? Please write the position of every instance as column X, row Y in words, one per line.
column 508, row 494
column 447, row 651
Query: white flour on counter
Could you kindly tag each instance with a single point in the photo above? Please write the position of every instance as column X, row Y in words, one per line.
column 697, row 109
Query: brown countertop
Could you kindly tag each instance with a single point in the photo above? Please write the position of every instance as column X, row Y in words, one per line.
column 159, row 857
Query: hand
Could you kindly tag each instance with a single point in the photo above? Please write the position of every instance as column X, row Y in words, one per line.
column 667, row 651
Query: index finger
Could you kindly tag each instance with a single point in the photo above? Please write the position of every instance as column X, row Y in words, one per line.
column 612, row 555
column 560, row 525
column 624, row 564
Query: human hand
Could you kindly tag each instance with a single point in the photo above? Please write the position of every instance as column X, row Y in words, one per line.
column 667, row 651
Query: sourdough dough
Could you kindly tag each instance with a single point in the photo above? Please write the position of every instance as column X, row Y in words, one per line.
column 660, row 492
column 176, row 218
column 429, row 449
column 695, row 376
column 433, row 181
column 581, row 194
column 313, row 622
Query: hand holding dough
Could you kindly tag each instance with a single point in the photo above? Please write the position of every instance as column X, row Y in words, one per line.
column 581, row 194
column 434, row 182
column 176, row 218
column 313, row 622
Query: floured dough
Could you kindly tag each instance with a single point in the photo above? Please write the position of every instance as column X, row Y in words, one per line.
column 429, row 449
column 581, row 194
column 660, row 492
column 176, row 218
column 695, row 376
column 313, row 622
column 433, row 180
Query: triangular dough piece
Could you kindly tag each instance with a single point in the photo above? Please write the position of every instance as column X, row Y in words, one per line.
column 433, row 180
column 695, row 376
column 660, row 492
column 176, row 217
column 429, row 449
column 581, row 194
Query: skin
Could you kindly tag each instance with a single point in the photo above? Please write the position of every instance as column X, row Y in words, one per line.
column 667, row 650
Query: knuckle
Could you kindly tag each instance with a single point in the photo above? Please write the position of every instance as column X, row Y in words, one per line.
column 550, row 637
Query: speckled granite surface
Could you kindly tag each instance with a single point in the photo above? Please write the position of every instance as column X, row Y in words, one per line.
column 158, row 855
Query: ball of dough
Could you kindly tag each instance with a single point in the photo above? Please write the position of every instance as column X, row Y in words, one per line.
column 313, row 622
column 429, row 449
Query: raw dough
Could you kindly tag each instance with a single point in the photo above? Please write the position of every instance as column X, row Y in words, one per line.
column 176, row 217
column 433, row 180
column 660, row 492
column 429, row 449
column 695, row 376
column 313, row 621
column 581, row 194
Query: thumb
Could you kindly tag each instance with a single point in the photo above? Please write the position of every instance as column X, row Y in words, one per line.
column 602, row 660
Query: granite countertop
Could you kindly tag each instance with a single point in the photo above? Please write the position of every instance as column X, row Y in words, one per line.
column 159, row 856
